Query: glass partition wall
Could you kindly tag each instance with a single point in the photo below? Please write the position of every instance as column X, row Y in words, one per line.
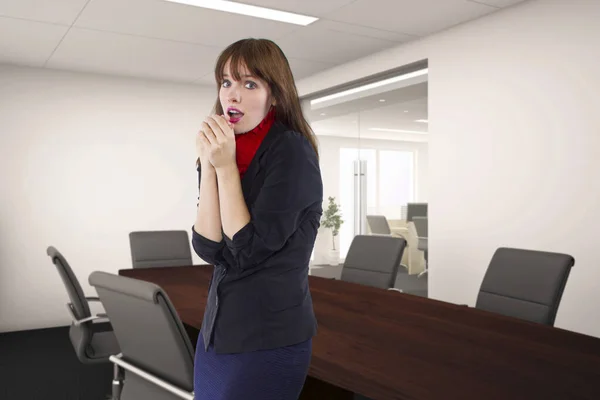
column 373, row 142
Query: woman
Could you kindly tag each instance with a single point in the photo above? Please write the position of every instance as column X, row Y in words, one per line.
column 259, row 209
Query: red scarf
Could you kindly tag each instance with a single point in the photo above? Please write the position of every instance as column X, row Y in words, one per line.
column 246, row 144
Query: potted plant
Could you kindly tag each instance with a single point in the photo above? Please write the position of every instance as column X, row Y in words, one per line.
column 332, row 219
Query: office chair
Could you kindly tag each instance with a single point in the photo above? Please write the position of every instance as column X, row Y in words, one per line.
column 373, row 261
column 422, row 244
column 160, row 249
column 379, row 225
column 92, row 336
column 157, row 357
column 525, row 284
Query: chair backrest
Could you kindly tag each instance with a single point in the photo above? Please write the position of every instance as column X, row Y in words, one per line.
column 80, row 335
column 80, row 306
column 379, row 224
column 421, row 226
column 150, row 334
column 416, row 210
column 373, row 260
column 160, row 249
column 525, row 284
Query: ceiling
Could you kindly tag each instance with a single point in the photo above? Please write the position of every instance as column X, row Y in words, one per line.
column 154, row 39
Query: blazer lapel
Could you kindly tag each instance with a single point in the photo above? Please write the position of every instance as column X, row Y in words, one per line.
column 255, row 165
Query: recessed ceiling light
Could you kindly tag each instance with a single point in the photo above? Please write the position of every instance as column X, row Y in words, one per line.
column 396, row 130
column 382, row 100
column 422, row 120
column 252, row 11
column 405, row 110
column 323, row 114
column 370, row 86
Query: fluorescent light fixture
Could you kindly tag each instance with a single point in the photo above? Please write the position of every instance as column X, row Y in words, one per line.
column 252, row 11
column 422, row 120
column 371, row 86
column 396, row 131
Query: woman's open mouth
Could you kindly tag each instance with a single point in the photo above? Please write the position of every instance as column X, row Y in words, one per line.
column 234, row 114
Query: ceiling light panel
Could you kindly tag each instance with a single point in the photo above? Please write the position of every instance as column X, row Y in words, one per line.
column 249, row 10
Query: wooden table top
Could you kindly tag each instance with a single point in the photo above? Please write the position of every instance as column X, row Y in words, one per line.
column 388, row 345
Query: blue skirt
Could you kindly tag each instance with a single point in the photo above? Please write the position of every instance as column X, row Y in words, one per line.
column 277, row 374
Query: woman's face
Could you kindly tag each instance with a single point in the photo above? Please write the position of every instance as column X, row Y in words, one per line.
column 246, row 102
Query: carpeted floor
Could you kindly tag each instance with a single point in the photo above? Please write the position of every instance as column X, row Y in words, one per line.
column 41, row 365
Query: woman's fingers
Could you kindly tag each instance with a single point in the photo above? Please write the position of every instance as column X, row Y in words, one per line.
column 208, row 133
column 216, row 128
column 202, row 139
column 223, row 124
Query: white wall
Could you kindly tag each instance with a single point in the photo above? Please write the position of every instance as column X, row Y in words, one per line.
column 84, row 160
column 514, row 123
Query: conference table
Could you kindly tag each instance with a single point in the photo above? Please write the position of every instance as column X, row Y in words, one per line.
column 388, row 345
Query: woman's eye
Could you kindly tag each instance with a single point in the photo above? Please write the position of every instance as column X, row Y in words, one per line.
column 226, row 83
column 250, row 85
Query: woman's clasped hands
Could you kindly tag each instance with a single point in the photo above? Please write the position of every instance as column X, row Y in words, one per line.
column 215, row 142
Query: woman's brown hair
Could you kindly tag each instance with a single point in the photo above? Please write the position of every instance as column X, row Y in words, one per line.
column 265, row 60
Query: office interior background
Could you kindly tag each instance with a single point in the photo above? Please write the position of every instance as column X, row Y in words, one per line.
column 100, row 102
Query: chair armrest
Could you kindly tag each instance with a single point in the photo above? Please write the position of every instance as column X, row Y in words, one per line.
column 102, row 317
column 148, row 377
column 78, row 322
column 395, row 289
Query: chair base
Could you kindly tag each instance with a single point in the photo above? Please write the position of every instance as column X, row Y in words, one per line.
column 117, row 383
column 425, row 270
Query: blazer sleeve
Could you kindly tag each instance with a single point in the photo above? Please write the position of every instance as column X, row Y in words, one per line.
column 208, row 250
column 291, row 189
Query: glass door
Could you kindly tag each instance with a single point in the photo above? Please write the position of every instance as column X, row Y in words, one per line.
column 357, row 176
column 373, row 149
column 336, row 129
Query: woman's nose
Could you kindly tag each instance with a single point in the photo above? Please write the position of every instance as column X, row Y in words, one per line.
column 234, row 95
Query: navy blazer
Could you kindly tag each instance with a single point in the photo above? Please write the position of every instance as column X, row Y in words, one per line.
column 259, row 296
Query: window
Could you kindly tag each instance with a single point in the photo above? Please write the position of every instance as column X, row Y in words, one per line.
column 396, row 176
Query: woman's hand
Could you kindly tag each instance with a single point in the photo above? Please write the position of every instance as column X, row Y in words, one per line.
column 202, row 149
column 217, row 141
